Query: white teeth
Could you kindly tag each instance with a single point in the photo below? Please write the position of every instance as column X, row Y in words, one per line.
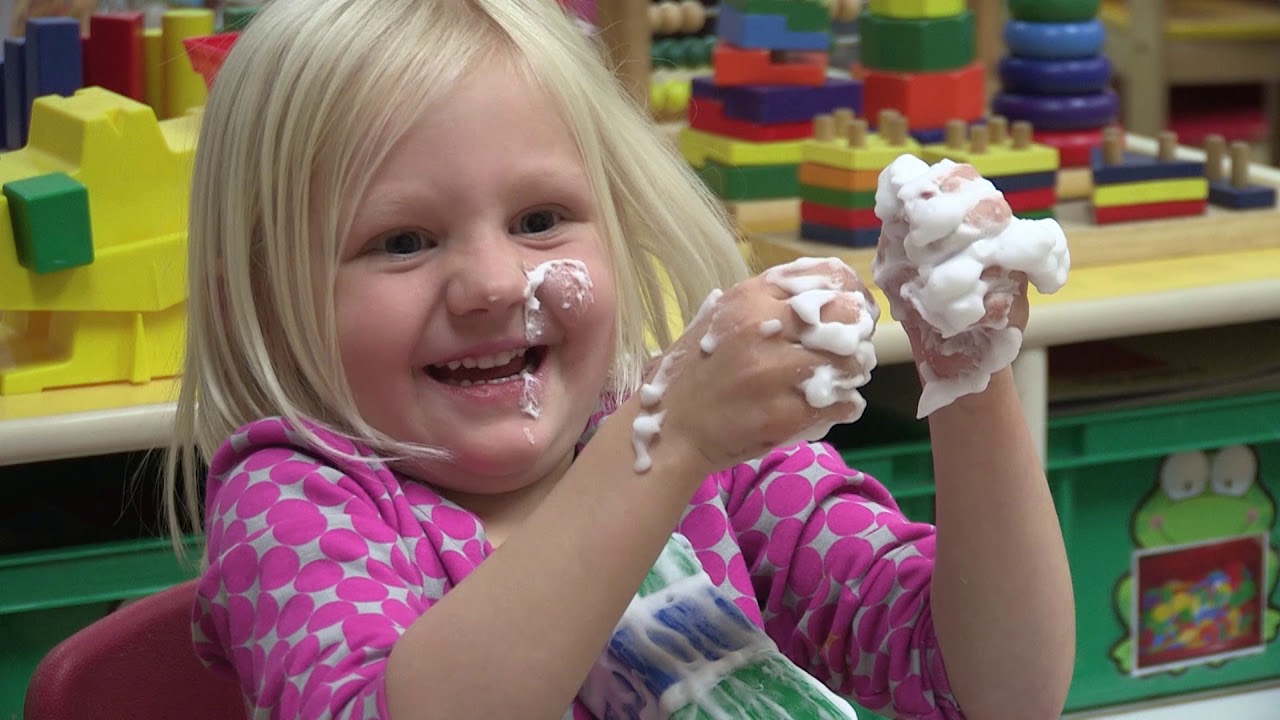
column 487, row 361
column 454, row 365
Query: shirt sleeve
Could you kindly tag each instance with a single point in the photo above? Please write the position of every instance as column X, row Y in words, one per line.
column 312, row 577
column 843, row 579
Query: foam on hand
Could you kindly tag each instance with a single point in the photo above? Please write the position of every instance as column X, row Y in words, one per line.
column 949, row 246
column 809, row 292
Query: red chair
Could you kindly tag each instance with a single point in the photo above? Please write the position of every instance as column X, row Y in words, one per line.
column 135, row 664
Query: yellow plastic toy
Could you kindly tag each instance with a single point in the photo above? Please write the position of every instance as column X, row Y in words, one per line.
column 121, row 316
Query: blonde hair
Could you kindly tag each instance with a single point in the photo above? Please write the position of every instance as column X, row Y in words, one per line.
column 306, row 107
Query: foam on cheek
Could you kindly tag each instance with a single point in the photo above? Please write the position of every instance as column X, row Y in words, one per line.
column 565, row 283
column 951, row 235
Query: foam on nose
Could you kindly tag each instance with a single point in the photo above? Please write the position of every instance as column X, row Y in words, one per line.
column 561, row 286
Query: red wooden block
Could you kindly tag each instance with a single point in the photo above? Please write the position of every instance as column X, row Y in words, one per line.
column 739, row 66
column 115, row 53
column 85, row 67
column 1034, row 199
column 1074, row 146
column 1148, row 211
column 928, row 99
column 208, row 52
column 707, row 114
column 839, row 217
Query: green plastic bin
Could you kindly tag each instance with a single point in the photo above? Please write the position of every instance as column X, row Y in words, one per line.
column 1177, row 502
column 47, row 596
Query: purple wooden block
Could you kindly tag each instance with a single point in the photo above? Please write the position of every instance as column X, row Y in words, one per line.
column 705, row 86
column 1059, row 112
column 771, row 104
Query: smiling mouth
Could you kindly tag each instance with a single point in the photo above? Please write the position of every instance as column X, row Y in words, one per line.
column 490, row 370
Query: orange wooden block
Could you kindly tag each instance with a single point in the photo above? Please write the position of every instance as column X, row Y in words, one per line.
column 738, row 66
column 928, row 100
column 838, row 178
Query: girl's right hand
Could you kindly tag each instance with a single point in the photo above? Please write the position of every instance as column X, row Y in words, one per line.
column 734, row 386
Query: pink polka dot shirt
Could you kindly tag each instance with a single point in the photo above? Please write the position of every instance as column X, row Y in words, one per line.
column 318, row 562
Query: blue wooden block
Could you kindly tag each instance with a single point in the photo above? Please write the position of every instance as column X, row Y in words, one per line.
column 774, row 104
column 4, row 122
column 765, row 32
column 16, row 110
column 1140, row 168
column 1024, row 181
column 55, row 58
column 1225, row 195
column 865, row 238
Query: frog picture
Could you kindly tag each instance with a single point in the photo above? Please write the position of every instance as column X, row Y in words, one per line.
column 1205, row 563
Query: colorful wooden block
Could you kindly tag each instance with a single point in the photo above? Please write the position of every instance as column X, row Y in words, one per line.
column 768, row 104
column 915, row 9
column 697, row 147
column 800, row 15
column 1224, row 194
column 707, row 114
column 1053, row 11
column 1074, row 146
column 1059, row 112
column 847, row 199
column 17, row 111
column 55, row 64
column 1148, row 211
column 1151, row 191
column 153, row 68
column 237, row 17
column 1045, row 214
column 1021, row 201
column 928, row 99
column 1039, row 76
column 4, row 116
column 50, row 218
column 834, row 178
column 184, row 88
column 1136, row 167
column 732, row 66
column 997, row 159
column 923, row 45
column 750, row 182
column 1025, row 181
column 767, row 32
column 875, row 155
column 115, row 53
column 837, row 217
column 1054, row 40
column 864, row 238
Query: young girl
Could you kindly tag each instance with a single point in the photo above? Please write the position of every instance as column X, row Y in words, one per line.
column 424, row 241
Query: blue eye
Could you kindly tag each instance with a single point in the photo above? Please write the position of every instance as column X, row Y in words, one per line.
column 537, row 222
column 407, row 242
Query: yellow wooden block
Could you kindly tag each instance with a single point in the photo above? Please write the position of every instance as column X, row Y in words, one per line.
column 916, row 9
column 138, row 174
column 697, row 147
column 153, row 68
column 184, row 88
column 1151, row 191
column 998, row 160
column 875, row 155
column 832, row 178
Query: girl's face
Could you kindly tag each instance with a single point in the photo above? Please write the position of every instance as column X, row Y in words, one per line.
column 484, row 198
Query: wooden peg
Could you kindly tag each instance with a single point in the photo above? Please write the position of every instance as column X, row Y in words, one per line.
column 998, row 129
column 883, row 120
column 956, row 134
column 844, row 117
column 1167, row 143
column 1240, row 157
column 1112, row 146
column 979, row 139
column 857, row 133
column 1022, row 135
column 1215, row 152
column 824, row 128
column 897, row 130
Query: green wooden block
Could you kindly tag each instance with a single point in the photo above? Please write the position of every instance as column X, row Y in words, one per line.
column 751, row 182
column 237, row 17
column 1037, row 215
column 1054, row 10
column 50, row 216
column 846, row 199
column 802, row 15
column 918, row 45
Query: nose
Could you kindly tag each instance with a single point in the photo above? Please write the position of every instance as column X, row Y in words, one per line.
column 486, row 274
